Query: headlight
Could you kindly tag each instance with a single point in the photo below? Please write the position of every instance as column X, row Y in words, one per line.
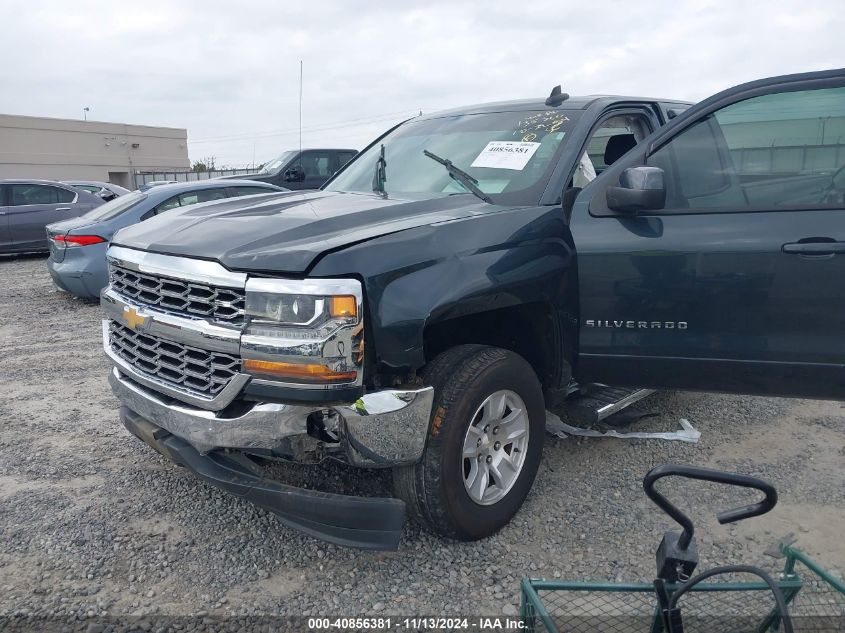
column 307, row 333
column 289, row 309
column 308, row 303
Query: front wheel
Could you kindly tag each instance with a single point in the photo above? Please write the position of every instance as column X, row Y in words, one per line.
column 484, row 445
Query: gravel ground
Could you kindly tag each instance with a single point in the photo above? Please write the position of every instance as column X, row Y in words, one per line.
column 93, row 522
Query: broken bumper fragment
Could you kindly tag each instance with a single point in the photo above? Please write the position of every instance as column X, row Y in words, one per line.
column 364, row 522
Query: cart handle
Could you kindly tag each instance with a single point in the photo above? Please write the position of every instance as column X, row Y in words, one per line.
column 707, row 474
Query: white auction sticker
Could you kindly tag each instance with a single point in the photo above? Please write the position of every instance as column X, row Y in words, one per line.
column 506, row 155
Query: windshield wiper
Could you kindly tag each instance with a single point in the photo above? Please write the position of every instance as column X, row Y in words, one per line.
column 380, row 175
column 458, row 174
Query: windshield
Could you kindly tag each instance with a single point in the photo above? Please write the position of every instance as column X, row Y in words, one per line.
column 115, row 207
column 510, row 154
column 276, row 163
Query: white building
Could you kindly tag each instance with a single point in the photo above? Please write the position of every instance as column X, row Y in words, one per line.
column 67, row 149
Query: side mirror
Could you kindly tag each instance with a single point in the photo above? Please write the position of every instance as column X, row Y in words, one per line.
column 641, row 189
column 294, row 174
column 107, row 195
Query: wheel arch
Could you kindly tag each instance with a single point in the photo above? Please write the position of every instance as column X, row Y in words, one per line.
column 530, row 330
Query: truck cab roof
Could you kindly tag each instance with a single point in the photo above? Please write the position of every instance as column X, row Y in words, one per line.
column 532, row 105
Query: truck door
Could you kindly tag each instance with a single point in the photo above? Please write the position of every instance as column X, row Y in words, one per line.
column 735, row 283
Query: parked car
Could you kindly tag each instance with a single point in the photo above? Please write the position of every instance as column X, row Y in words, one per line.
column 156, row 183
column 308, row 169
column 464, row 274
column 27, row 206
column 105, row 190
column 78, row 246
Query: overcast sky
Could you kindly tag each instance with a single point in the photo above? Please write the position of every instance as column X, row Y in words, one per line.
column 229, row 71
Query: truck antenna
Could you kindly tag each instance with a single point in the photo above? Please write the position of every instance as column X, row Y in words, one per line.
column 556, row 97
column 300, row 114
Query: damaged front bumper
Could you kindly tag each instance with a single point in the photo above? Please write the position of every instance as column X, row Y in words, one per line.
column 364, row 522
column 381, row 429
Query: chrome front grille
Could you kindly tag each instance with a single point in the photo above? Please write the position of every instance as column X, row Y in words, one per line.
column 198, row 371
column 179, row 296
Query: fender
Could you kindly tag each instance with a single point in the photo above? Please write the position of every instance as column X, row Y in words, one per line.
column 430, row 274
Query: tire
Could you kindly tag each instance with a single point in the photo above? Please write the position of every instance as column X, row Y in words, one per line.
column 440, row 490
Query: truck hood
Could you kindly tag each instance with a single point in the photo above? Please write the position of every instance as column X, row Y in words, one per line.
column 286, row 233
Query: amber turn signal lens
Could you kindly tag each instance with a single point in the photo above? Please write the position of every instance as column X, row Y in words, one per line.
column 309, row 372
column 343, row 306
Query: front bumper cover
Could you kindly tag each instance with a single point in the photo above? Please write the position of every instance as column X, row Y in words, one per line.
column 381, row 429
column 363, row 522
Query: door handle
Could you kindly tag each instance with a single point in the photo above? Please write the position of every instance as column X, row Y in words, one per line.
column 814, row 248
column 62, row 209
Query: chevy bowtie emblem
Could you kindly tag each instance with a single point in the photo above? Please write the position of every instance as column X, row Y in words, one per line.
column 132, row 318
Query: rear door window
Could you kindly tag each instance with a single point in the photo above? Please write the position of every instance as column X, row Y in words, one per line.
column 65, row 195
column 250, row 191
column 170, row 203
column 23, row 195
column 203, row 195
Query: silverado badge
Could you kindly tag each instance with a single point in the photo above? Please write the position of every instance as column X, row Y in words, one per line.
column 132, row 318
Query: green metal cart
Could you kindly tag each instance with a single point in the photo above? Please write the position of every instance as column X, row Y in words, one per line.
column 804, row 597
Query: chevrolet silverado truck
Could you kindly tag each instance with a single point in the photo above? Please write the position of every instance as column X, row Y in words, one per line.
column 470, row 270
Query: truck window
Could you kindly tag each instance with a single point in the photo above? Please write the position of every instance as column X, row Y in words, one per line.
column 316, row 164
column 614, row 138
column 698, row 168
column 609, row 142
column 344, row 157
column 510, row 154
column 777, row 150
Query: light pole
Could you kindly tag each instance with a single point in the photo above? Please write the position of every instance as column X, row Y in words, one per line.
column 85, row 112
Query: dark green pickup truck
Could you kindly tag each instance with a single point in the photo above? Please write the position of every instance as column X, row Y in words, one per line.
column 471, row 269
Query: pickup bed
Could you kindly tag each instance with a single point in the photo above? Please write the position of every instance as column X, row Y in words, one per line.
column 471, row 269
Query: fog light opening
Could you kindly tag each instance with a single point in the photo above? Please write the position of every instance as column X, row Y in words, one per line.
column 324, row 426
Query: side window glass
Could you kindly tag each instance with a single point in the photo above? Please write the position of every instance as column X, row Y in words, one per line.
column 779, row 150
column 187, row 199
column 33, row 194
column 699, row 167
column 609, row 142
column 171, row 203
column 249, row 191
column 316, row 164
column 203, row 195
column 65, row 195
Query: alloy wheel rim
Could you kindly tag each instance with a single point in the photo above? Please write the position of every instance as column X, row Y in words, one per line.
column 495, row 446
